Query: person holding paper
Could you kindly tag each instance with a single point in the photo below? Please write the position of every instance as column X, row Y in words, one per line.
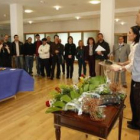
column 90, row 56
column 102, row 50
column 121, row 52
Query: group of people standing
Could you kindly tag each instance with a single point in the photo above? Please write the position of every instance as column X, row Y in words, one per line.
column 49, row 55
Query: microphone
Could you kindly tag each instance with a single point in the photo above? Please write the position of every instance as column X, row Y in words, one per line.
column 108, row 62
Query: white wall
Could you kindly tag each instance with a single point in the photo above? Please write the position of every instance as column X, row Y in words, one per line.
column 75, row 25
column 130, row 21
column 80, row 25
column 3, row 32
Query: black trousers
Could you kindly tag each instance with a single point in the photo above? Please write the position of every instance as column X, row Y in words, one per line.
column 63, row 67
column 91, row 62
column 135, row 102
column 82, row 64
column 70, row 68
column 55, row 61
column 44, row 63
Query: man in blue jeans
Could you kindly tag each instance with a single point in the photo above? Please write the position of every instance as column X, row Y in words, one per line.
column 37, row 43
column 29, row 51
column 17, row 51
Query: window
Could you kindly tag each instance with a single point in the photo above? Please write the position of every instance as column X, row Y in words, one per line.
column 76, row 37
column 51, row 36
column 30, row 35
column 63, row 37
column 86, row 35
column 42, row 36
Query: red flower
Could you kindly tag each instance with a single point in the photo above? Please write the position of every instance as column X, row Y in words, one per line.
column 48, row 103
column 82, row 75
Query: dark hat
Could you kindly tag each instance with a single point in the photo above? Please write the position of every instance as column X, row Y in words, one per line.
column 44, row 39
column 37, row 35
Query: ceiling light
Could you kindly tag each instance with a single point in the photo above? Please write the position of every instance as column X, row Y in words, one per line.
column 28, row 11
column 30, row 22
column 4, row 15
column 57, row 7
column 95, row 1
column 42, row 1
column 117, row 19
column 77, row 18
column 122, row 23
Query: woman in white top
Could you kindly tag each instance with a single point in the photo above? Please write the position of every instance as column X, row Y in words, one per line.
column 44, row 55
column 133, row 36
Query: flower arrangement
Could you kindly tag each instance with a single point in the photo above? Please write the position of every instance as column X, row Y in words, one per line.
column 84, row 97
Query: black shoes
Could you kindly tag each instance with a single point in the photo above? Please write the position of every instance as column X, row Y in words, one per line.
column 129, row 122
column 134, row 127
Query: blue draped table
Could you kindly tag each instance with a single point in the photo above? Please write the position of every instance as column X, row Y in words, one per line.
column 13, row 81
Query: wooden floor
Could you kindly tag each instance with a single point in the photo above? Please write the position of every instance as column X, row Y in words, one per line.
column 24, row 118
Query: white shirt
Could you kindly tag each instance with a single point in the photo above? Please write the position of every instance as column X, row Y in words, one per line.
column 131, row 57
column 17, row 48
column 44, row 51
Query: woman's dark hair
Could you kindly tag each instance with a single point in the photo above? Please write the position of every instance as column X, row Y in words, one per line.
column 56, row 36
column 69, row 38
column 136, row 30
column 37, row 35
column 91, row 38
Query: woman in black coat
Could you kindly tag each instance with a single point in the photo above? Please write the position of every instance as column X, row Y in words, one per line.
column 90, row 56
column 4, row 55
column 70, row 52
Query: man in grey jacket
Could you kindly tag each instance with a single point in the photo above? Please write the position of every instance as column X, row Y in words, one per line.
column 121, row 52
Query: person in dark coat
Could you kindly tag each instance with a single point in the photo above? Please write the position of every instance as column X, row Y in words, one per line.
column 70, row 53
column 8, row 43
column 37, row 44
column 80, row 54
column 29, row 52
column 90, row 56
column 56, row 50
column 101, row 55
column 17, row 52
column 4, row 55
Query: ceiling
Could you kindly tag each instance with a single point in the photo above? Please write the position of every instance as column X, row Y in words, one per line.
column 45, row 12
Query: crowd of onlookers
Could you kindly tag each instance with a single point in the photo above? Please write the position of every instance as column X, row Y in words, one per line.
column 50, row 54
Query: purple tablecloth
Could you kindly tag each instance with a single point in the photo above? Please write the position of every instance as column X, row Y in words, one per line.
column 13, row 81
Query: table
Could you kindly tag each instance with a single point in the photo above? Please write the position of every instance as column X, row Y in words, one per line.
column 84, row 124
column 13, row 81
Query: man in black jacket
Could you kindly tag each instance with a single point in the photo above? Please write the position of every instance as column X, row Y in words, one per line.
column 6, row 42
column 37, row 43
column 29, row 52
column 101, row 55
column 17, row 52
column 56, row 55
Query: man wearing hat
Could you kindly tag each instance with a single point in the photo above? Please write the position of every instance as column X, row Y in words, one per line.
column 44, row 55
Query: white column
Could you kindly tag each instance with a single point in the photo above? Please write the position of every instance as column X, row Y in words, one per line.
column 16, row 20
column 107, row 20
